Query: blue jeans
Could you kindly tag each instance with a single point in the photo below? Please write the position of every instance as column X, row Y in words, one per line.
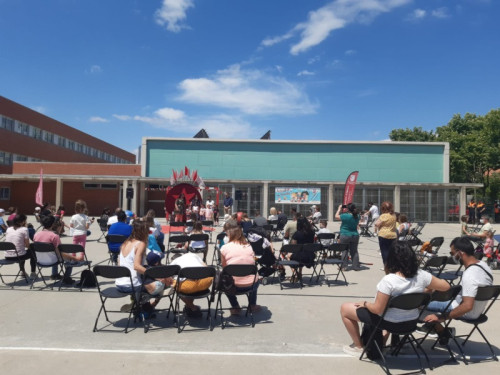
column 252, row 300
column 439, row 306
column 67, row 273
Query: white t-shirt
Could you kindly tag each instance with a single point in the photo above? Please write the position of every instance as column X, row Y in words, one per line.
column 18, row 237
column 394, row 285
column 325, row 242
column 79, row 224
column 472, row 278
column 317, row 217
column 210, row 204
column 188, row 260
column 112, row 219
column 374, row 212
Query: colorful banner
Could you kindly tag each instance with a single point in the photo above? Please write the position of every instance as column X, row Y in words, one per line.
column 350, row 184
column 297, row 195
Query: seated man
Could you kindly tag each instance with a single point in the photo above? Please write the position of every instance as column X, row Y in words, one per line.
column 323, row 229
column 121, row 228
column 291, row 228
column 3, row 226
column 316, row 215
column 259, row 220
column 48, row 236
column 483, row 232
column 476, row 274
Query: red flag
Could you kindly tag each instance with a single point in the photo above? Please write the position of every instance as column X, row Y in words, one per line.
column 39, row 190
column 350, row 184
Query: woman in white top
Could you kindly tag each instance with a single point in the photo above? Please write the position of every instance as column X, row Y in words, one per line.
column 273, row 214
column 18, row 235
column 403, row 276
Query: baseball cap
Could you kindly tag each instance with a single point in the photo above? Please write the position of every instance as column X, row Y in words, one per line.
column 152, row 258
column 2, row 211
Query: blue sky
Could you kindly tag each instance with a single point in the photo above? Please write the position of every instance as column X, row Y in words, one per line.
column 330, row 70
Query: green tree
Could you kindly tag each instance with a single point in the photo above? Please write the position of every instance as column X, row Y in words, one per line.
column 417, row 134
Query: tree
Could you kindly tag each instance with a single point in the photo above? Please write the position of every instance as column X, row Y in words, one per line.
column 417, row 134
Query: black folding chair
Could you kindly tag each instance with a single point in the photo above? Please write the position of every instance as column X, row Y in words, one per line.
column 407, row 302
column 199, row 237
column 449, row 296
column 103, row 226
column 435, row 245
column 336, row 255
column 484, row 293
column 237, row 270
column 295, row 265
column 216, row 256
column 115, row 239
column 365, row 229
column 159, row 272
column 193, row 273
column 106, row 292
column 317, row 249
column 4, row 246
column 176, row 245
column 42, row 251
column 209, row 224
column 435, row 265
column 74, row 249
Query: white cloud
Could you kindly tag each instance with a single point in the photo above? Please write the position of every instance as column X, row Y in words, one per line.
column 123, row 117
column 417, row 15
column 249, row 91
column 95, row 69
column 40, row 109
column 333, row 16
column 440, row 13
column 217, row 126
column 279, row 68
column 313, row 60
column 350, row 52
column 172, row 14
column 305, row 73
column 98, row 119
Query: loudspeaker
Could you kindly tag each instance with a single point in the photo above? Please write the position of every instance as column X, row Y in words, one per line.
column 130, row 193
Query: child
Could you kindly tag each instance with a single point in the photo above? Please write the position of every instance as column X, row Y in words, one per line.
column 79, row 224
column 464, row 231
column 216, row 215
column 489, row 244
column 323, row 229
column 196, row 246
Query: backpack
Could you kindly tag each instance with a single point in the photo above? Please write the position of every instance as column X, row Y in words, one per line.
column 87, row 279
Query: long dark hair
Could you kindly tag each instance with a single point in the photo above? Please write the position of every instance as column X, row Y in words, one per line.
column 402, row 259
column 18, row 221
column 351, row 207
column 304, row 226
column 140, row 231
column 234, row 232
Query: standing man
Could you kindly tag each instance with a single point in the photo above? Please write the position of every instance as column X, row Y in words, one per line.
column 472, row 211
column 373, row 211
column 228, row 203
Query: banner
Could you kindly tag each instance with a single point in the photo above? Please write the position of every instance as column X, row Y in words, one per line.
column 39, row 190
column 350, row 184
column 297, row 195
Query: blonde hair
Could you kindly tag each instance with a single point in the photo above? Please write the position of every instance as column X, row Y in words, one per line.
column 272, row 211
column 80, row 206
column 234, row 232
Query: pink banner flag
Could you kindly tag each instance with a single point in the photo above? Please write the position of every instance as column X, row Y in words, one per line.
column 350, row 184
column 39, row 190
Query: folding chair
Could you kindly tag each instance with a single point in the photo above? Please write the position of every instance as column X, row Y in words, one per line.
column 237, row 270
column 450, row 296
column 159, row 272
column 408, row 301
column 113, row 273
column 274, row 230
column 336, row 255
column 74, row 249
column 199, row 237
column 282, row 262
column 43, row 250
column 103, row 226
column 176, row 245
column 317, row 249
column 116, row 239
column 216, row 256
column 209, row 224
column 193, row 273
column 278, row 230
column 484, row 293
column 268, row 228
column 435, row 245
column 435, row 265
column 4, row 246
column 365, row 229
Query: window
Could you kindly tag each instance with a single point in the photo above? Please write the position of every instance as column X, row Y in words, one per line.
column 109, row 186
column 62, row 141
column 71, row 145
column 8, row 123
column 20, row 158
column 37, row 133
column 99, row 186
column 5, row 158
column 22, row 128
column 91, row 186
column 4, row 193
column 48, row 137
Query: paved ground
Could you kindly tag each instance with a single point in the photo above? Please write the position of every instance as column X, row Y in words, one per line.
column 43, row 331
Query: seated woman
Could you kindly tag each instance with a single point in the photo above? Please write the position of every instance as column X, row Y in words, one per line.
column 18, row 235
column 403, row 276
column 196, row 246
column 239, row 251
column 273, row 214
column 132, row 255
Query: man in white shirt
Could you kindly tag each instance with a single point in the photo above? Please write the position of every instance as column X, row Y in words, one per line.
column 373, row 211
column 487, row 227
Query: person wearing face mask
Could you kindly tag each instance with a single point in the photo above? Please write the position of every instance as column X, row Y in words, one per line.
column 487, row 227
column 476, row 274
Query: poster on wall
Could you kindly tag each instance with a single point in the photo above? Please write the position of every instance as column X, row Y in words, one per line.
column 297, row 195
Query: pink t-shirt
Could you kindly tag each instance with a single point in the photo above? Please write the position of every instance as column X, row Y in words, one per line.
column 18, row 237
column 47, row 236
column 235, row 253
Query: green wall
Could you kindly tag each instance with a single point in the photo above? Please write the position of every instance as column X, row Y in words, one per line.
column 265, row 160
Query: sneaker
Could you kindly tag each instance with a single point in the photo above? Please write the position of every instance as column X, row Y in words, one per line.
column 427, row 329
column 33, row 275
column 56, row 277
column 352, row 350
column 235, row 311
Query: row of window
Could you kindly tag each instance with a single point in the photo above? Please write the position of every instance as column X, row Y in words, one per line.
column 6, row 158
column 4, row 193
column 43, row 135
